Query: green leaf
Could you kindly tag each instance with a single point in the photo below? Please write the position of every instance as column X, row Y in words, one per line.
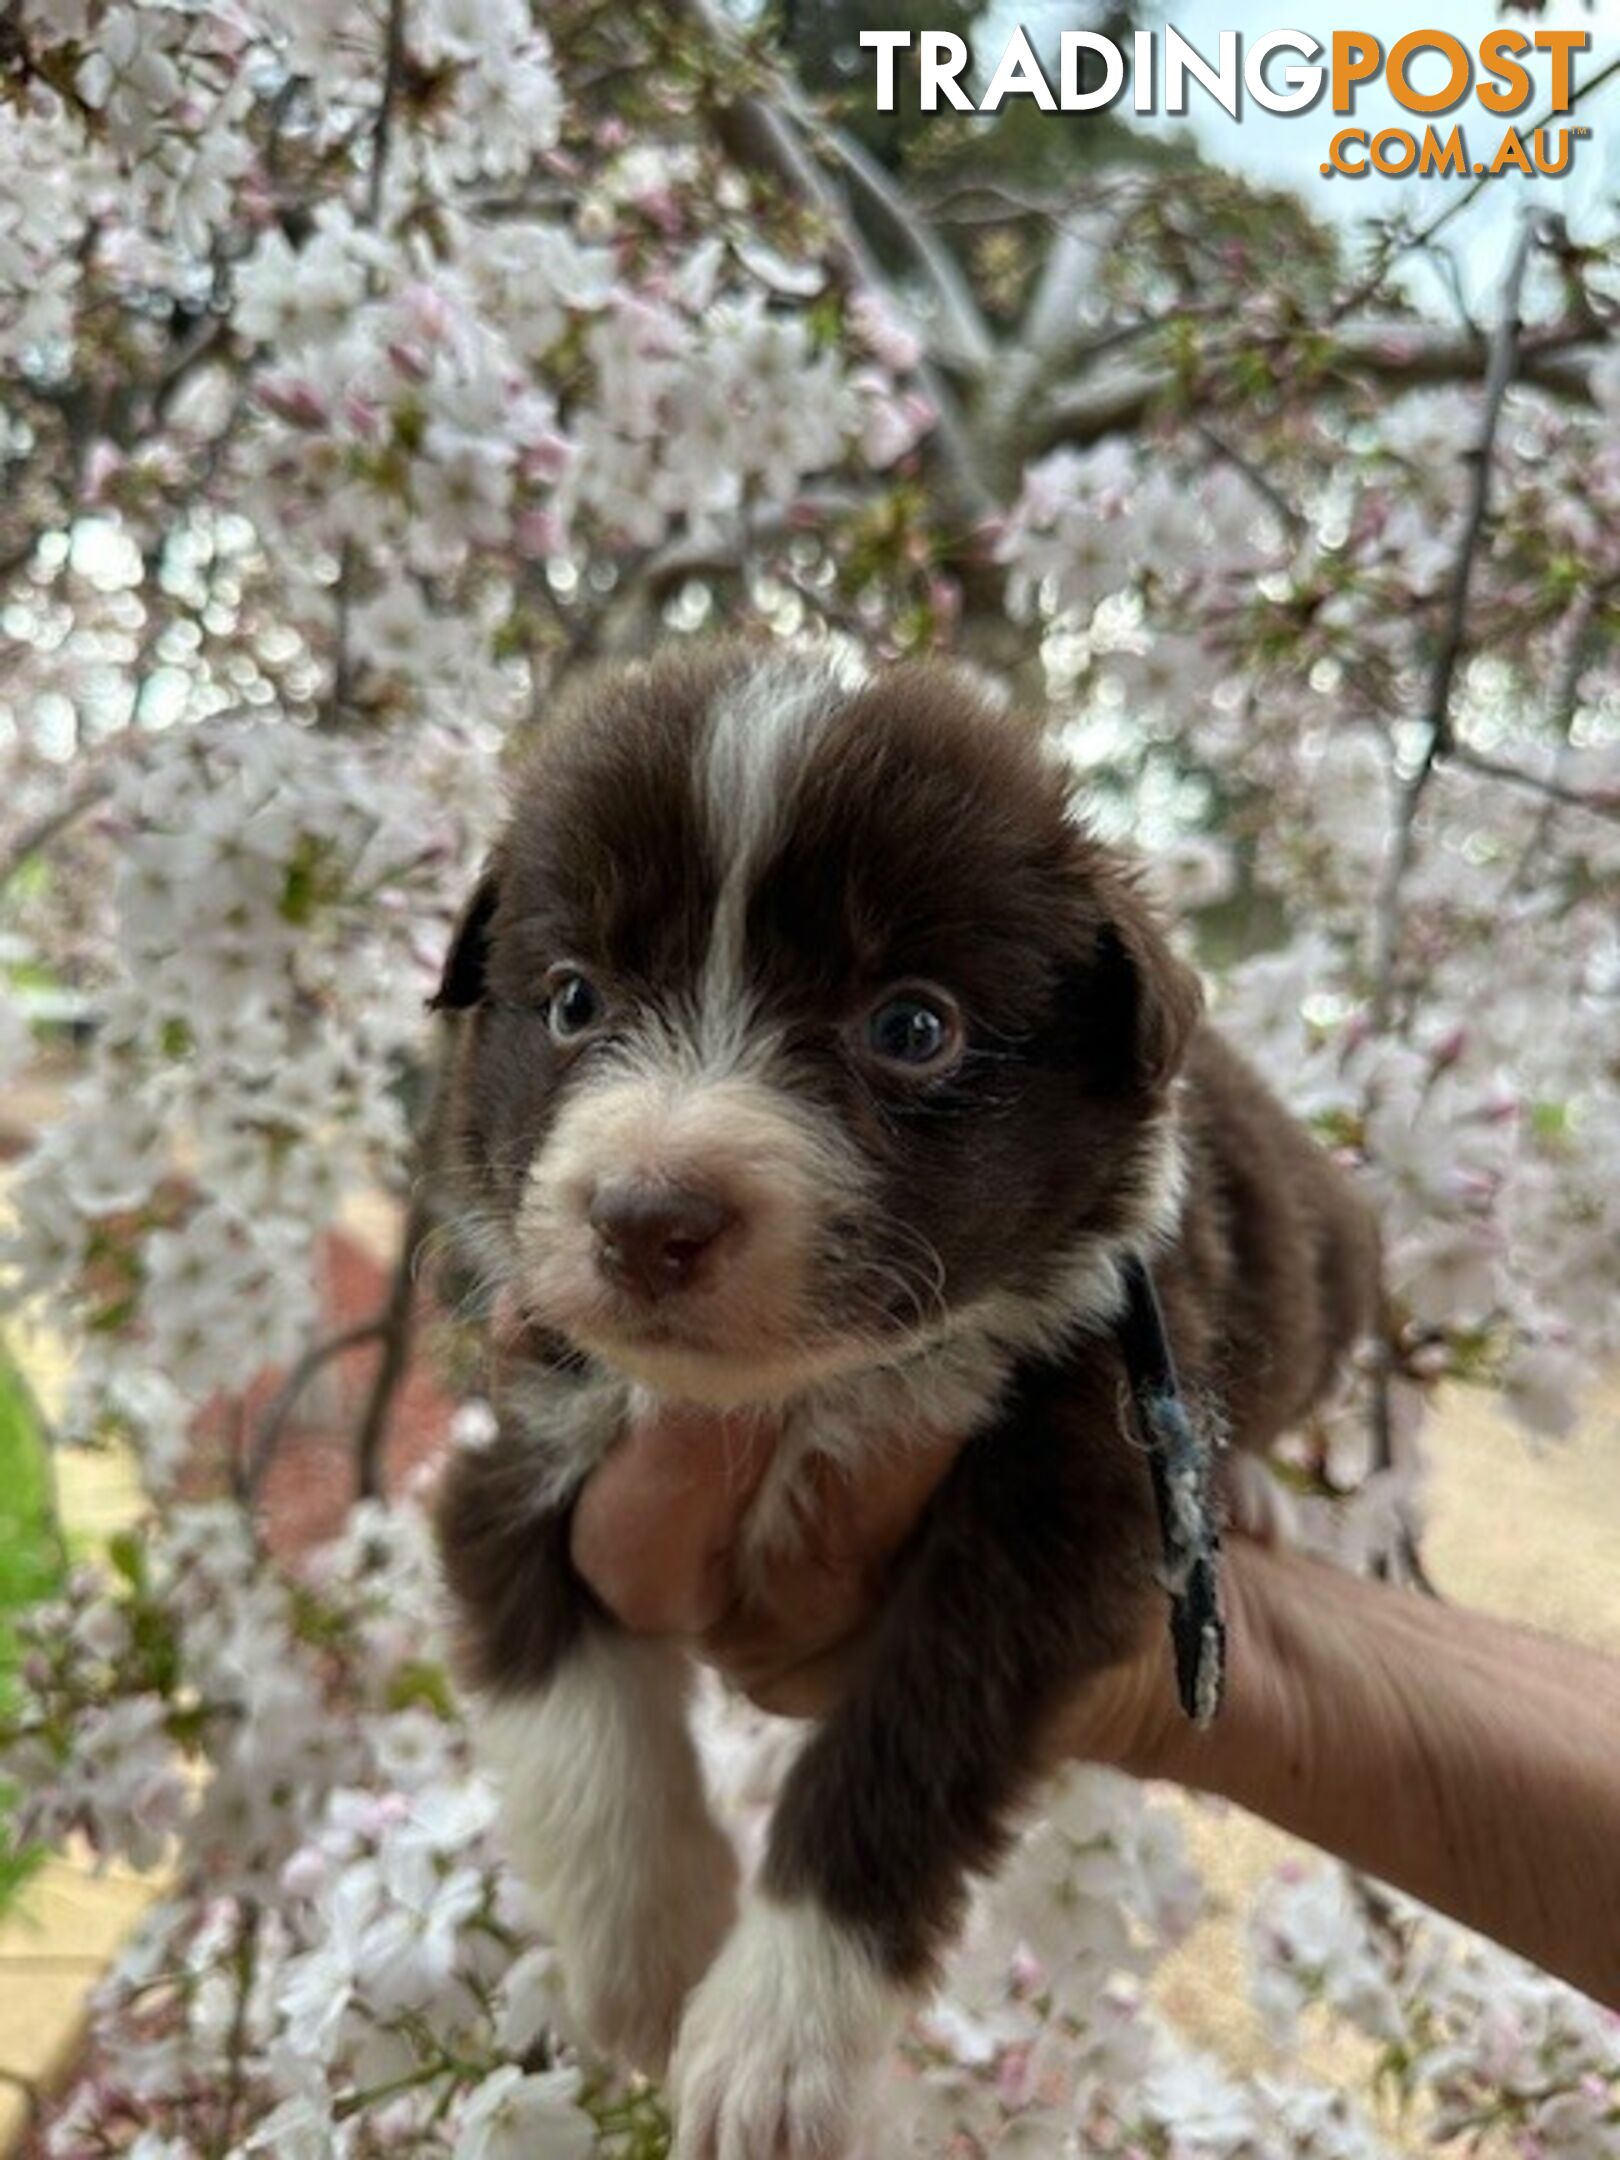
column 421, row 1685
column 32, row 1564
column 127, row 1557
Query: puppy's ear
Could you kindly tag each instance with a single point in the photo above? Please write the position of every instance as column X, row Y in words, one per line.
column 1154, row 999
column 466, row 964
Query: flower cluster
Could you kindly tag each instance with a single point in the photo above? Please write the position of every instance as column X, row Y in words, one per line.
column 274, row 894
column 1280, row 667
column 345, row 1966
column 1493, row 2050
column 362, row 1963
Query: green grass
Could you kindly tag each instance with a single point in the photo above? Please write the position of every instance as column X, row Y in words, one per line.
column 31, row 1562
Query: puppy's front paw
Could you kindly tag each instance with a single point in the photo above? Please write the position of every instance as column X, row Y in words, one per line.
column 780, row 2040
column 633, row 1953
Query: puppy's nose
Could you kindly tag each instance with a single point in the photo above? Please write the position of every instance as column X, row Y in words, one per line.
column 653, row 1238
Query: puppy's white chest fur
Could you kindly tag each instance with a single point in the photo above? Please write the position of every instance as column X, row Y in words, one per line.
column 947, row 1393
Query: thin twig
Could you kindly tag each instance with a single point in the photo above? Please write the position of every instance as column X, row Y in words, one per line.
column 395, row 1333
column 244, row 1963
column 1000, row 203
column 190, row 354
column 382, row 139
column 36, row 838
column 1381, row 1417
column 1294, row 521
column 1448, row 268
column 1503, row 365
column 22, row 553
column 1407, row 1552
column 1499, row 375
column 278, row 1414
column 666, row 568
column 337, row 697
column 32, row 2093
column 396, row 1319
column 382, row 136
column 1394, row 249
column 1557, row 793
column 1561, row 719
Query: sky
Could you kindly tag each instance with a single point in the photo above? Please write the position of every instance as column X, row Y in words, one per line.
column 1288, row 151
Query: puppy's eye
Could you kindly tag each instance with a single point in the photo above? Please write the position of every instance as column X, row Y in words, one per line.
column 574, row 1005
column 917, row 1028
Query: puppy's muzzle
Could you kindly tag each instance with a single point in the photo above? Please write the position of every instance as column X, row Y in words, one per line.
column 654, row 1239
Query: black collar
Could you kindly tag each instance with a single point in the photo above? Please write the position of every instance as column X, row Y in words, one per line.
column 1180, row 1459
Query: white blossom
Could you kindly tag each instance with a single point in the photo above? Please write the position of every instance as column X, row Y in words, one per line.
column 512, row 2117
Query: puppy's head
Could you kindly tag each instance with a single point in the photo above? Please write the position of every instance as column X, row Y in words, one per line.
column 801, row 1024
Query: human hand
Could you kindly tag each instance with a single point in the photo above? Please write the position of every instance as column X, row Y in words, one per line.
column 658, row 1535
column 1359, row 1717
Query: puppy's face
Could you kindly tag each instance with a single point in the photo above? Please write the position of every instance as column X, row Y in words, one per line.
column 802, row 1026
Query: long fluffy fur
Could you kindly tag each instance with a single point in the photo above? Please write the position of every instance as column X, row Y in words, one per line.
column 742, row 850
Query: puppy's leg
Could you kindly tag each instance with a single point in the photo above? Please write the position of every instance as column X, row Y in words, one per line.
column 584, row 1730
column 603, row 1812
column 1029, row 1572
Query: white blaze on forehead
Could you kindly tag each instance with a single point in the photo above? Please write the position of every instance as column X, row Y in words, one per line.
column 758, row 735
column 759, row 738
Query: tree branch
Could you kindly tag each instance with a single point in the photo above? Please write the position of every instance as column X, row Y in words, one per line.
column 1554, row 792
column 338, row 694
column 1292, row 519
column 1504, row 359
column 767, row 137
column 34, row 839
column 1562, row 706
column 278, row 1415
column 394, row 1323
column 1050, row 324
column 1504, row 362
column 244, row 1966
column 1425, row 237
column 1401, row 354
column 382, row 137
column 22, row 553
column 394, row 1328
column 957, row 312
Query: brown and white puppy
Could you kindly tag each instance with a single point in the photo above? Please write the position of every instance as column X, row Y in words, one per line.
column 816, row 1065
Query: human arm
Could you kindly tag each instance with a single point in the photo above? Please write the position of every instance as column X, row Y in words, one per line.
column 1471, row 1763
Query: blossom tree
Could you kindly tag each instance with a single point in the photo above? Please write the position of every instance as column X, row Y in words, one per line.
column 366, row 368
